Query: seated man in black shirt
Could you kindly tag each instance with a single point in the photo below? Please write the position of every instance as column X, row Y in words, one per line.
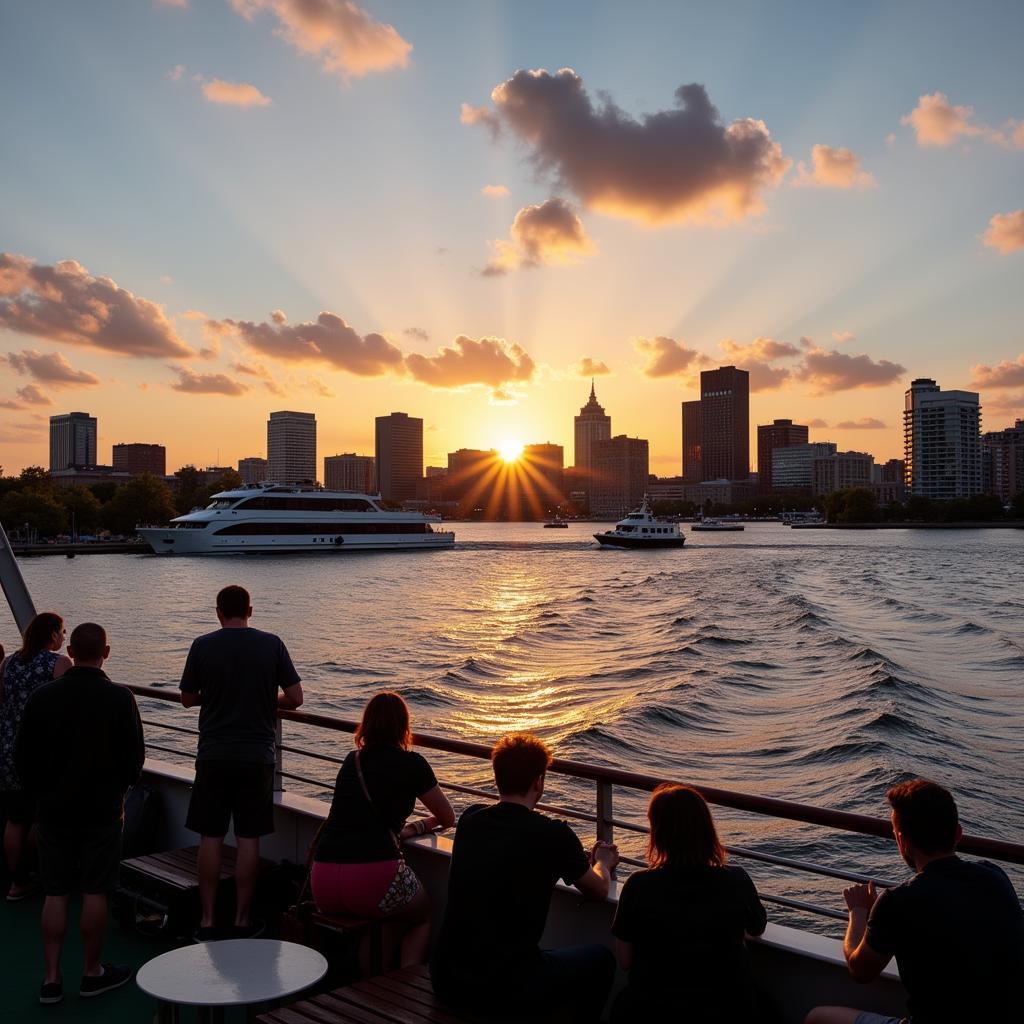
column 506, row 861
column 956, row 928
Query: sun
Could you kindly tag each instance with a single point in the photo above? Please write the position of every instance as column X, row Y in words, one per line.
column 510, row 451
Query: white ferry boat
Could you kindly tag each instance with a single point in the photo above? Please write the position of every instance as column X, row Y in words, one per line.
column 716, row 526
column 260, row 519
column 642, row 529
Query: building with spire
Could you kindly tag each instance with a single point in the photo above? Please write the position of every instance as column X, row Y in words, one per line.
column 592, row 425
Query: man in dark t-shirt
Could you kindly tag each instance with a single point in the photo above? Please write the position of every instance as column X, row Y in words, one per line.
column 507, row 858
column 234, row 675
column 956, row 928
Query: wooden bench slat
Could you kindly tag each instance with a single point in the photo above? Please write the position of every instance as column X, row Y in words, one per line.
column 399, row 1006
column 173, row 877
column 342, row 1012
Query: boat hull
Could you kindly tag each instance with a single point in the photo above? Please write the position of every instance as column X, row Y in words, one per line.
column 716, row 529
column 611, row 541
column 196, row 542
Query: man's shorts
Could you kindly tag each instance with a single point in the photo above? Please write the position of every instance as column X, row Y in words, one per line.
column 242, row 791
column 877, row 1018
column 79, row 859
column 17, row 807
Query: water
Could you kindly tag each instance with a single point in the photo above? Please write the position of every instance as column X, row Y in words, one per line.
column 814, row 666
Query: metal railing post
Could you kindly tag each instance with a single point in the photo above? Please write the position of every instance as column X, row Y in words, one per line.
column 605, row 828
column 278, row 757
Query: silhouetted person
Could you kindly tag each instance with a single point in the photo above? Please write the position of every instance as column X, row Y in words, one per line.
column 79, row 750
column 956, row 928
column 506, row 861
column 680, row 925
column 234, row 675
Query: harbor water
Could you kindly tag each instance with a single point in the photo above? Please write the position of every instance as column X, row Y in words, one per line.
column 814, row 666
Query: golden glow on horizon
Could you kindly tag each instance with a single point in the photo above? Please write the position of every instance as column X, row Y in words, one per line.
column 510, row 450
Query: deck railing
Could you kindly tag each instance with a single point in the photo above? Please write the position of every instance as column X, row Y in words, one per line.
column 603, row 818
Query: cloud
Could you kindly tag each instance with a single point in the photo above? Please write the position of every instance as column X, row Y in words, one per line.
column 545, row 235
column 19, row 433
column 33, row 395
column 65, row 303
column 420, row 333
column 345, row 39
column 481, row 115
column 1013, row 404
column 936, row 122
column 50, row 368
column 667, row 357
column 757, row 358
column 206, row 383
column 235, row 94
column 842, row 337
column 177, row 72
column 833, row 168
column 258, row 370
column 817, row 424
column 490, row 361
column 1005, row 232
column 328, row 339
column 319, row 387
column 1006, row 374
column 682, row 164
column 1010, row 136
column 864, row 423
column 502, row 396
column 494, row 191
column 9, row 403
column 836, row 371
column 586, row 367
column 180, row 4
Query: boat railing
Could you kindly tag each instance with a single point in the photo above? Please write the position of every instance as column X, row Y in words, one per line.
column 605, row 780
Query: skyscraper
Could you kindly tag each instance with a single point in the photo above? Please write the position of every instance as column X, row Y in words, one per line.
column 399, row 450
column 725, row 424
column 619, row 474
column 692, row 473
column 253, row 470
column 542, row 474
column 777, row 434
column 291, row 447
column 592, row 425
column 140, row 458
column 72, row 440
column 941, row 441
column 350, row 472
column 1003, row 452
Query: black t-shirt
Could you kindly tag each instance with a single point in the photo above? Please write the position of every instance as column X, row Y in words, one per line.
column 957, row 932
column 355, row 831
column 238, row 672
column 505, row 863
column 686, row 925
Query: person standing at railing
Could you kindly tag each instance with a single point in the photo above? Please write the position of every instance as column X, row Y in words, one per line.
column 36, row 662
column 358, row 867
column 505, row 864
column 956, row 928
column 680, row 925
column 235, row 674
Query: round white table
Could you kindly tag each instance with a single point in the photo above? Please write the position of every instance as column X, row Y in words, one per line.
column 235, row 972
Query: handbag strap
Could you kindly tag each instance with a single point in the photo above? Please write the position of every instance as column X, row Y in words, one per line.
column 373, row 807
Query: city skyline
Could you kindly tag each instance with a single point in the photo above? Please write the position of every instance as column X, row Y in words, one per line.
column 436, row 255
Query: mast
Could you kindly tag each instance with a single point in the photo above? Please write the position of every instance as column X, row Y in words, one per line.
column 14, row 586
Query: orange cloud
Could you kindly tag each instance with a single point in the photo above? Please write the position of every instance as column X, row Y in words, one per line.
column 836, row 371
column 1005, row 232
column 490, row 361
column 667, row 357
column 545, row 235
column 235, row 94
column 51, row 368
column 494, row 191
column 833, row 168
column 864, row 423
column 206, row 383
column 33, row 395
column 1006, row 374
column 937, row 122
column 587, row 367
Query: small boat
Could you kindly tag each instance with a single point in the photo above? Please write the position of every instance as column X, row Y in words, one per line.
column 642, row 529
column 556, row 524
column 716, row 526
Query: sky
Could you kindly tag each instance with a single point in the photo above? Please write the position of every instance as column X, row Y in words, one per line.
column 212, row 209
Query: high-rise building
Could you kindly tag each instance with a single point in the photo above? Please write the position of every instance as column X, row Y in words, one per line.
column 725, row 424
column 620, row 467
column 291, row 447
column 942, row 442
column 399, row 452
column 471, row 474
column 770, row 436
column 541, row 470
column 140, row 458
column 72, row 440
column 253, row 470
column 591, row 425
column 350, row 472
column 841, row 471
column 793, row 467
column 692, row 473
column 1003, row 452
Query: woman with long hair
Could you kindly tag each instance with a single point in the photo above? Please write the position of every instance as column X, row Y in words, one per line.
column 358, row 867
column 34, row 663
column 681, row 924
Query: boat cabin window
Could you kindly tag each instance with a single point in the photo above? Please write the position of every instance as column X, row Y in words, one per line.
column 220, row 503
column 274, row 503
column 627, row 529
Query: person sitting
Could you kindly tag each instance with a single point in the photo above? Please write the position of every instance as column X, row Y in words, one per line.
column 506, row 861
column 680, row 924
column 358, row 867
column 36, row 662
column 956, row 928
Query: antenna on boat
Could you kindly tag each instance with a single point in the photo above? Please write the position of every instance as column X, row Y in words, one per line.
column 15, row 590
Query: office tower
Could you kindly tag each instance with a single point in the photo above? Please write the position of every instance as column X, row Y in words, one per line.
column 291, row 447
column 891, row 472
column 541, row 474
column 399, row 456
column 253, row 470
column 777, row 434
column 619, row 475
column 692, row 442
column 72, row 440
column 725, row 424
column 793, row 467
column 471, row 475
column 140, row 458
column 840, row 471
column 592, row 425
column 350, row 472
column 941, row 441
column 1003, row 452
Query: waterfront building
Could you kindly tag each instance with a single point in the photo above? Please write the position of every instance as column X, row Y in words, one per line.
column 770, row 436
column 291, row 447
column 399, row 455
column 432, row 471
column 720, row 492
column 86, row 476
column 725, row 424
column 72, row 440
column 793, row 467
column 941, row 442
column 692, row 473
column 253, row 470
column 140, row 458
column 350, row 472
column 840, row 471
column 541, row 469
column 470, row 476
column 1003, row 452
column 592, row 425
column 619, row 472
column 667, row 488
